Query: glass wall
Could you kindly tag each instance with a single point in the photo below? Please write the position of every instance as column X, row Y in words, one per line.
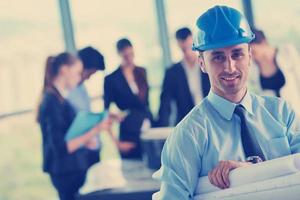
column 30, row 31
column 281, row 24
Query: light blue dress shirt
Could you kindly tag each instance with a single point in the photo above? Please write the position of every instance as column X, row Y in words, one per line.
column 211, row 133
column 80, row 99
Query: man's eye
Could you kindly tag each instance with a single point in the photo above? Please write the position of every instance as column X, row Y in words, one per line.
column 219, row 58
column 237, row 55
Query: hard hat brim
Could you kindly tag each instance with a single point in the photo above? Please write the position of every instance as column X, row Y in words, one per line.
column 223, row 44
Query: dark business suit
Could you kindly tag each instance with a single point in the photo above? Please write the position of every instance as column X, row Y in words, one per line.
column 117, row 90
column 175, row 88
column 67, row 170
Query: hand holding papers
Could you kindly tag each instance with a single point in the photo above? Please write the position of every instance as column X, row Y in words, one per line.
column 264, row 178
column 219, row 176
column 123, row 146
column 83, row 122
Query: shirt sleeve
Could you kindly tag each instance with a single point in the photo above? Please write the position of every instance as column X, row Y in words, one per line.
column 293, row 128
column 53, row 127
column 181, row 165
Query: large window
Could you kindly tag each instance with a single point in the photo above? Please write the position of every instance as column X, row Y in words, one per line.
column 185, row 13
column 30, row 31
column 281, row 23
column 102, row 23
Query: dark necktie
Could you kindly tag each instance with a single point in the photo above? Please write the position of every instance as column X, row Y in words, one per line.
column 250, row 143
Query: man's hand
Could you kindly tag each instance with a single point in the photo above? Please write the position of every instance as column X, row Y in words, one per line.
column 93, row 143
column 125, row 147
column 104, row 125
column 219, row 176
column 119, row 117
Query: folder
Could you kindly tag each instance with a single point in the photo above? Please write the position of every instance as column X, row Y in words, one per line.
column 83, row 122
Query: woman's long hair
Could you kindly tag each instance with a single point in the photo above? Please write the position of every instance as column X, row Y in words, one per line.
column 53, row 66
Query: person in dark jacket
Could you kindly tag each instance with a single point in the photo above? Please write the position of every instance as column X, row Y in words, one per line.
column 184, row 83
column 128, row 88
column 66, row 162
column 78, row 97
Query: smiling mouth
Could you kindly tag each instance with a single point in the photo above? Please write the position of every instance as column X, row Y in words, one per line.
column 230, row 78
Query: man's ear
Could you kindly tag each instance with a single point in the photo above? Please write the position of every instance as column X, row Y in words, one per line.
column 202, row 63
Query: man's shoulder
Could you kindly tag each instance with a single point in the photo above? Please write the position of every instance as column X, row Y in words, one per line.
column 276, row 106
column 174, row 68
column 267, row 101
column 193, row 125
column 197, row 116
column 113, row 74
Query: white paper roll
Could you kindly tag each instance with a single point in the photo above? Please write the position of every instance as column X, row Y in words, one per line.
column 284, row 187
column 255, row 173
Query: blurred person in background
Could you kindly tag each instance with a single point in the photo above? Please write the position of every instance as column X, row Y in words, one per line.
column 184, row 83
column 92, row 61
column 79, row 98
column 278, row 71
column 66, row 162
column 128, row 88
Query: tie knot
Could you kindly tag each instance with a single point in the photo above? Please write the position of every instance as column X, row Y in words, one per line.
column 239, row 110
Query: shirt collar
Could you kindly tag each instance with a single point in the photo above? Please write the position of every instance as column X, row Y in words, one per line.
column 226, row 108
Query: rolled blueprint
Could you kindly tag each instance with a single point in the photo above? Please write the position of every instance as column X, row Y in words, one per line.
column 283, row 187
column 255, row 173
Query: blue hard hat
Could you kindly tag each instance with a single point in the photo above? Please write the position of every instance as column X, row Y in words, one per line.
column 220, row 27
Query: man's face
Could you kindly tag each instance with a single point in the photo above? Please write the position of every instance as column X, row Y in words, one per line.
column 186, row 46
column 87, row 73
column 127, row 56
column 227, row 68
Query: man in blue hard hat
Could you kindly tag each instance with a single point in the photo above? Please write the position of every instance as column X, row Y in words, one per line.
column 231, row 127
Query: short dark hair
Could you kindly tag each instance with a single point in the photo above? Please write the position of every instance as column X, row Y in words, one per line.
column 91, row 58
column 122, row 44
column 259, row 36
column 183, row 33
